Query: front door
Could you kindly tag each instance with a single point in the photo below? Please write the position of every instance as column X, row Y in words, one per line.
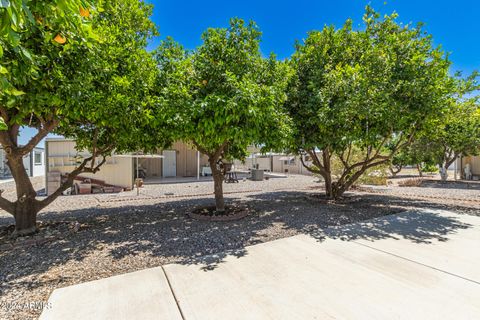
column 169, row 167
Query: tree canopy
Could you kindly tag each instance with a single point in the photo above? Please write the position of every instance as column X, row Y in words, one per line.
column 93, row 85
column 225, row 94
column 362, row 89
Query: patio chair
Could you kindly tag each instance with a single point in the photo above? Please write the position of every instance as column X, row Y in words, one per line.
column 229, row 174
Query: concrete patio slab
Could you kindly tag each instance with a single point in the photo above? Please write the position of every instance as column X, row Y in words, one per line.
column 415, row 265
column 138, row 295
column 318, row 277
column 442, row 240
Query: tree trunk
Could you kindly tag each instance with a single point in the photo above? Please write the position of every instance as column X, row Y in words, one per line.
column 444, row 172
column 25, row 217
column 328, row 185
column 395, row 171
column 444, row 166
column 25, row 209
column 419, row 168
column 218, row 186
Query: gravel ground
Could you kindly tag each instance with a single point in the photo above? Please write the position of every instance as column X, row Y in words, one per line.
column 123, row 233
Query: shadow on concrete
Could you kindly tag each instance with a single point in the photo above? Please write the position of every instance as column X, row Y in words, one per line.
column 161, row 233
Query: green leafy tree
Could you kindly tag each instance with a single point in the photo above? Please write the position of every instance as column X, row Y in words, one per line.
column 421, row 154
column 361, row 89
column 96, row 89
column 62, row 22
column 453, row 133
column 456, row 132
column 225, row 96
column 460, row 135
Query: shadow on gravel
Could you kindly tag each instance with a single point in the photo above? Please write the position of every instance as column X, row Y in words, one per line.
column 164, row 234
column 463, row 185
column 420, row 224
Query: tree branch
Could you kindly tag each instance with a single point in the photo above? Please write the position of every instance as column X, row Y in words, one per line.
column 219, row 151
column 309, row 168
column 7, row 205
column 45, row 129
column 199, row 148
column 82, row 168
column 4, row 115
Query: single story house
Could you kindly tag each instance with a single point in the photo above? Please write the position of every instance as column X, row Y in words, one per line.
column 275, row 162
column 34, row 163
column 121, row 169
column 289, row 164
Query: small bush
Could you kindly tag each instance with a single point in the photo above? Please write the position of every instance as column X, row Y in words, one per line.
column 373, row 180
column 430, row 168
column 410, row 183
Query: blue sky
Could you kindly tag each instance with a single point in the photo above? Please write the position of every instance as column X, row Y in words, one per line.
column 454, row 24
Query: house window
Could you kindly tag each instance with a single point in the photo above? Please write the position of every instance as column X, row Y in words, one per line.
column 37, row 158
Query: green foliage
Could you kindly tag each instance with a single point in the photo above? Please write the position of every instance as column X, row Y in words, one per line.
column 28, row 25
column 223, row 96
column 362, row 89
column 84, row 75
column 114, row 92
column 429, row 167
column 456, row 129
column 95, row 89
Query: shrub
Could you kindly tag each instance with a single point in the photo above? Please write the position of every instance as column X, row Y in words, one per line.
column 415, row 182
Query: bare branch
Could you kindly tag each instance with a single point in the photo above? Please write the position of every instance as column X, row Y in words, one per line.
column 7, row 205
column 82, row 168
column 312, row 169
column 219, row 151
column 46, row 128
column 199, row 148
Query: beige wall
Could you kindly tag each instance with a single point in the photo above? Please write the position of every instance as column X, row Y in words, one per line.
column 60, row 158
column 474, row 163
column 119, row 170
column 295, row 168
column 274, row 164
column 187, row 159
column 264, row 163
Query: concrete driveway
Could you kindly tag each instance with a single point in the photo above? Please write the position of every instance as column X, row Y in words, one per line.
column 415, row 265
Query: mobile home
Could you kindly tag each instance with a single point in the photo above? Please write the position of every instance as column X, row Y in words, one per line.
column 120, row 170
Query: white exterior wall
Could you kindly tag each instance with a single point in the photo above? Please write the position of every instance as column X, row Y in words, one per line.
column 27, row 164
column 4, row 170
column 38, row 169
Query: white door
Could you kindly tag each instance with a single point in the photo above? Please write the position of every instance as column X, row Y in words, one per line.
column 169, row 166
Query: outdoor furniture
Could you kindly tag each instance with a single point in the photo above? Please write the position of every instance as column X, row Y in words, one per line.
column 229, row 173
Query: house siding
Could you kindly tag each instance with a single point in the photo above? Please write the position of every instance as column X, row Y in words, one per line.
column 116, row 171
column 119, row 170
column 474, row 162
